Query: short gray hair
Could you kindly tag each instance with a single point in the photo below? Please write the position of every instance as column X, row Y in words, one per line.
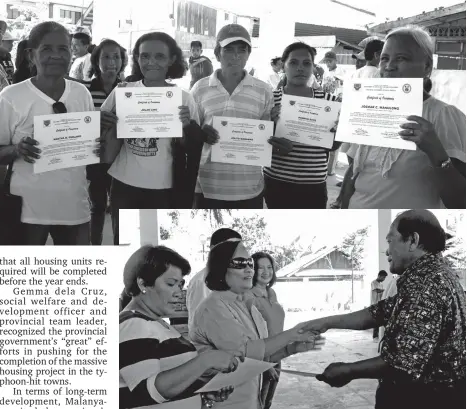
column 420, row 36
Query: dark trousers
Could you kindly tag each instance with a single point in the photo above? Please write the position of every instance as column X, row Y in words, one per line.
column 415, row 396
column 202, row 202
column 285, row 195
column 268, row 388
column 99, row 191
column 123, row 196
column 37, row 234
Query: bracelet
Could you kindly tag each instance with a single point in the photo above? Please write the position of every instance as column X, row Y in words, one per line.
column 206, row 401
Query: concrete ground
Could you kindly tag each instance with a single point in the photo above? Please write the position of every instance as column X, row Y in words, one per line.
column 300, row 392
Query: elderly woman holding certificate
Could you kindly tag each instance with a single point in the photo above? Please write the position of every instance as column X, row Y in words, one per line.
column 55, row 202
column 433, row 176
column 223, row 321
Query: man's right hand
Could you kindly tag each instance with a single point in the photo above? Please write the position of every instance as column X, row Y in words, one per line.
column 319, row 325
column 26, row 149
column 211, row 135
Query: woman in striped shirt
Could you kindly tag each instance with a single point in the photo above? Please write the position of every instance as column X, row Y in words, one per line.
column 297, row 176
column 157, row 364
column 108, row 61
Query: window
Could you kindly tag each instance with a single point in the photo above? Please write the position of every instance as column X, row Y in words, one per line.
column 226, row 16
column 62, row 13
column 12, row 12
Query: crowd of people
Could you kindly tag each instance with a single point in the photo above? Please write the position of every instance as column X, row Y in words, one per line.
column 234, row 312
column 179, row 172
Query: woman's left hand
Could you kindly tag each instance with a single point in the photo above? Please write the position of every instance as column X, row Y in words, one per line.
column 220, row 395
column 185, row 116
column 423, row 134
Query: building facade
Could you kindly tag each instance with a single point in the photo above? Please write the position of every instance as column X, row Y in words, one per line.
column 447, row 27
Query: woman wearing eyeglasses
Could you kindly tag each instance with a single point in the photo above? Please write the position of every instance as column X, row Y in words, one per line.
column 54, row 202
column 223, row 320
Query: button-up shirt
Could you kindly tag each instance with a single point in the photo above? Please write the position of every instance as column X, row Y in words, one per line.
column 425, row 323
column 224, row 322
column 252, row 99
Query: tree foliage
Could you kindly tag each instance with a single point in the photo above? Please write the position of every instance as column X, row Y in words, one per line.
column 353, row 247
column 215, row 216
column 254, row 233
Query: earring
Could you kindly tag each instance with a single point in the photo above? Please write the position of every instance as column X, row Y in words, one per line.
column 144, row 291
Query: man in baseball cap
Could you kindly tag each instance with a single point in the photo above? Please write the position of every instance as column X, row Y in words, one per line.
column 230, row 92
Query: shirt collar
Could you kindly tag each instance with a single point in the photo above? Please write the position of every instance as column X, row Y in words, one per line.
column 427, row 260
column 228, row 296
column 214, row 80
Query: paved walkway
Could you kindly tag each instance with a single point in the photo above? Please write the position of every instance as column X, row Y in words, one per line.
column 300, row 392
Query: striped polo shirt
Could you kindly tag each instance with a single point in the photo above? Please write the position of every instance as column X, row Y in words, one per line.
column 252, row 99
column 148, row 347
column 305, row 164
column 97, row 91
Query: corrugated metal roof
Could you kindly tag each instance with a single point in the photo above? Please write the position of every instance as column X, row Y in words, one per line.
column 348, row 35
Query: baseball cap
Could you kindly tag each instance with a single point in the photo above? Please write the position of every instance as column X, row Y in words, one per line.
column 330, row 55
column 8, row 37
column 231, row 33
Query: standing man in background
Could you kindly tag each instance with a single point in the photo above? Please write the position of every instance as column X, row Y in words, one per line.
column 199, row 65
column 82, row 64
column 372, row 54
column 377, row 289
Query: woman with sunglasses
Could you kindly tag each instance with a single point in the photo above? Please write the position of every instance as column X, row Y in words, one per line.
column 54, row 202
column 264, row 298
column 108, row 61
column 146, row 171
column 223, row 320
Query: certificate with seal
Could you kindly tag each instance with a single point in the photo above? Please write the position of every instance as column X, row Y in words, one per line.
column 307, row 120
column 242, row 141
column 374, row 108
column 148, row 112
column 66, row 140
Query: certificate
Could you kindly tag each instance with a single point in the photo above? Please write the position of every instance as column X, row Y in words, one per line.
column 245, row 371
column 242, row 141
column 374, row 108
column 66, row 140
column 308, row 120
column 150, row 112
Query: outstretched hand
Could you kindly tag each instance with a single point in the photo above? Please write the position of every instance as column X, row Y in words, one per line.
column 319, row 325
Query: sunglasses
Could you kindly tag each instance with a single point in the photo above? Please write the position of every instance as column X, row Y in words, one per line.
column 59, row 108
column 240, row 263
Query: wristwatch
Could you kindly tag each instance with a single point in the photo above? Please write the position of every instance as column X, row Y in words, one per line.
column 447, row 164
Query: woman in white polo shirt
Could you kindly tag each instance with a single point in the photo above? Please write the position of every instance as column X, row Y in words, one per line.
column 54, row 202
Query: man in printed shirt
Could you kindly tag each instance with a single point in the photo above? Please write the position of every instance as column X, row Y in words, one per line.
column 422, row 360
column 230, row 92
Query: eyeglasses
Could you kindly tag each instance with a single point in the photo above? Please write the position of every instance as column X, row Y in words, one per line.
column 240, row 263
column 59, row 108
